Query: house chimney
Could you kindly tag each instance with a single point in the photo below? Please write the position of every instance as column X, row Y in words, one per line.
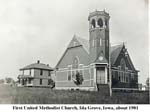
column 38, row 61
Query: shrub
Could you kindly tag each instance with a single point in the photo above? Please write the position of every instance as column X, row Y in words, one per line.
column 79, row 79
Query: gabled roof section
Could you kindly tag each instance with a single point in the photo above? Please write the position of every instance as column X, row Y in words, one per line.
column 79, row 41
column 101, row 58
column 115, row 51
column 84, row 42
column 74, row 42
column 130, row 61
column 37, row 66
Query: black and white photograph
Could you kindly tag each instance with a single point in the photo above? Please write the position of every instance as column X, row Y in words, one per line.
column 74, row 52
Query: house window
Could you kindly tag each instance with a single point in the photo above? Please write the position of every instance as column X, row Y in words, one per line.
column 41, row 81
column 23, row 82
column 41, row 72
column 49, row 81
column 30, row 72
column 29, row 81
column 49, row 73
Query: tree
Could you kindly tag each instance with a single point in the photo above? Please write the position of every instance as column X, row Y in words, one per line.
column 1, row 81
column 79, row 79
column 51, row 83
column 9, row 80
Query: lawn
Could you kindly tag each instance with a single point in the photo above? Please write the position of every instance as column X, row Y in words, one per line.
column 18, row 95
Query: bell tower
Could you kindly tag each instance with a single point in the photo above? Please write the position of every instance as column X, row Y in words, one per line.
column 99, row 36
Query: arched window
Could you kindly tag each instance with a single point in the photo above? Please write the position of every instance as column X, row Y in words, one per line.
column 75, row 64
column 93, row 23
column 75, row 67
column 123, row 64
column 123, row 67
column 100, row 22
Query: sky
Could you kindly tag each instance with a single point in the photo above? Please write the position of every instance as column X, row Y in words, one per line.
column 32, row 30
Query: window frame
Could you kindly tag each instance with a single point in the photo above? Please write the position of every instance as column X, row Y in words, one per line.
column 100, row 22
column 93, row 23
column 41, row 72
column 49, row 73
column 41, row 81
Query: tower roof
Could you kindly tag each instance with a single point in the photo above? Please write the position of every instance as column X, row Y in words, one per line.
column 95, row 13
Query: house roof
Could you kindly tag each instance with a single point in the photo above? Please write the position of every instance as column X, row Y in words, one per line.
column 37, row 65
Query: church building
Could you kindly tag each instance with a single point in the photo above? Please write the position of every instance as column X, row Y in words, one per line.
column 100, row 64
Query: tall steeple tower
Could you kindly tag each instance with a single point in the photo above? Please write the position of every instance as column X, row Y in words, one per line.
column 99, row 36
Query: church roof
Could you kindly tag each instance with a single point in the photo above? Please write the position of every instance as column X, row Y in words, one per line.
column 37, row 65
column 84, row 42
column 115, row 49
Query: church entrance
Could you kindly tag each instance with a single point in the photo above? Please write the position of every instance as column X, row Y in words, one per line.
column 100, row 75
column 101, row 80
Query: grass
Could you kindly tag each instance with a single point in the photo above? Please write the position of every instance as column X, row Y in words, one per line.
column 15, row 95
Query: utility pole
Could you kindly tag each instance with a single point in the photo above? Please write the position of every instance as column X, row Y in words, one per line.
column 109, row 65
